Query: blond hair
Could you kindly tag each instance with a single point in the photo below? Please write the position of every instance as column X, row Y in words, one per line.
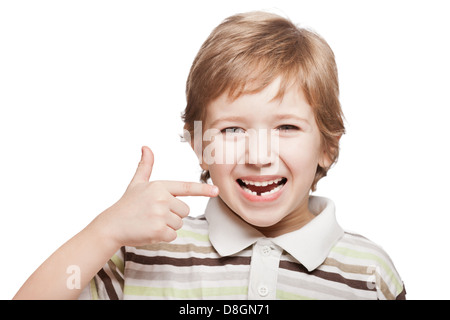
column 248, row 51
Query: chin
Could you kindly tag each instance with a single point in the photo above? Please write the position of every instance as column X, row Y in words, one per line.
column 260, row 220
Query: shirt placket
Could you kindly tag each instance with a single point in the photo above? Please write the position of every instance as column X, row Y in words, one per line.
column 264, row 266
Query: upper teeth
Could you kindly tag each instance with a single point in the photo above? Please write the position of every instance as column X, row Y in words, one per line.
column 261, row 183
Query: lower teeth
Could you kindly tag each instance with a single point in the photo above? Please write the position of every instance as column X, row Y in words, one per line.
column 277, row 188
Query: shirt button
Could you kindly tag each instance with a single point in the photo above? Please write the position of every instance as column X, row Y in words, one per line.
column 265, row 250
column 263, row 291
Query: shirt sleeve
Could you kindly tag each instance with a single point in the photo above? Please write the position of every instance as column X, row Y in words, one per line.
column 108, row 283
column 388, row 282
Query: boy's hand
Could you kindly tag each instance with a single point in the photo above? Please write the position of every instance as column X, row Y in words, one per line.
column 149, row 212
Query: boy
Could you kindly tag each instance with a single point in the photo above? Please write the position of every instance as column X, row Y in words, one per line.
column 264, row 118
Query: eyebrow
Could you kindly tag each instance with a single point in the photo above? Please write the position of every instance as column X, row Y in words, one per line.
column 227, row 119
column 289, row 117
column 242, row 119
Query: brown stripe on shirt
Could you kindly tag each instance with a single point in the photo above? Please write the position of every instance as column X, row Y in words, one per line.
column 170, row 247
column 108, row 285
column 186, row 262
column 331, row 276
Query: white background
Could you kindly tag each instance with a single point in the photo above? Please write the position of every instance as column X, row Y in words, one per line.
column 84, row 84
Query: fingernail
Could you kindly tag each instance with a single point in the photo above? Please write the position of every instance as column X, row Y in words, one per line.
column 214, row 191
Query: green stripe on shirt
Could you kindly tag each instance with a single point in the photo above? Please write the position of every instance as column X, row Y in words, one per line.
column 185, row 293
column 370, row 256
column 191, row 234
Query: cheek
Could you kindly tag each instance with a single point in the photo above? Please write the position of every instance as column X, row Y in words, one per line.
column 224, row 151
column 221, row 176
column 300, row 155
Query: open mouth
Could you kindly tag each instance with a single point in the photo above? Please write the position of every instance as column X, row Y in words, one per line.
column 262, row 188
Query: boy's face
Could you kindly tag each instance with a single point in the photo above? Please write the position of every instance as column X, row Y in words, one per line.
column 263, row 155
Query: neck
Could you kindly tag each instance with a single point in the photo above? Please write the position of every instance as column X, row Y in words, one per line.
column 293, row 221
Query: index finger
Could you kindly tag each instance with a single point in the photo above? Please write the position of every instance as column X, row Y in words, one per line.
column 184, row 188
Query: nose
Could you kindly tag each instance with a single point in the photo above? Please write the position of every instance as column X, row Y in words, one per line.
column 262, row 149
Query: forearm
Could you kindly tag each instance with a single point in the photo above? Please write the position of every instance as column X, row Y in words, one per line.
column 148, row 212
column 83, row 255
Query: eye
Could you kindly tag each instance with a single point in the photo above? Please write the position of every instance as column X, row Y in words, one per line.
column 288, row 128
column 233, row 130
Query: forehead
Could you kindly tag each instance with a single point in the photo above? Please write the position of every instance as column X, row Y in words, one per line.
column 266, row 103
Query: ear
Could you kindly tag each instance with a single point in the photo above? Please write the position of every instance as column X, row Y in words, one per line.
column 204, row 166
column 325, row 161
column 197, row 148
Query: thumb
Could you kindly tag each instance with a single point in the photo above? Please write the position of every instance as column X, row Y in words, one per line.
column 144, row 169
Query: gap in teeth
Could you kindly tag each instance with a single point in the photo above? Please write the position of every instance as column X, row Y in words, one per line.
column 277, row 188
column 262, row 183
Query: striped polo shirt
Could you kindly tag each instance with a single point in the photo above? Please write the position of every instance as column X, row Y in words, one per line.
column 219, row 256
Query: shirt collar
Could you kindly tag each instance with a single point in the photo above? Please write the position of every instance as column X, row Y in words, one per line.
column 310, row 245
